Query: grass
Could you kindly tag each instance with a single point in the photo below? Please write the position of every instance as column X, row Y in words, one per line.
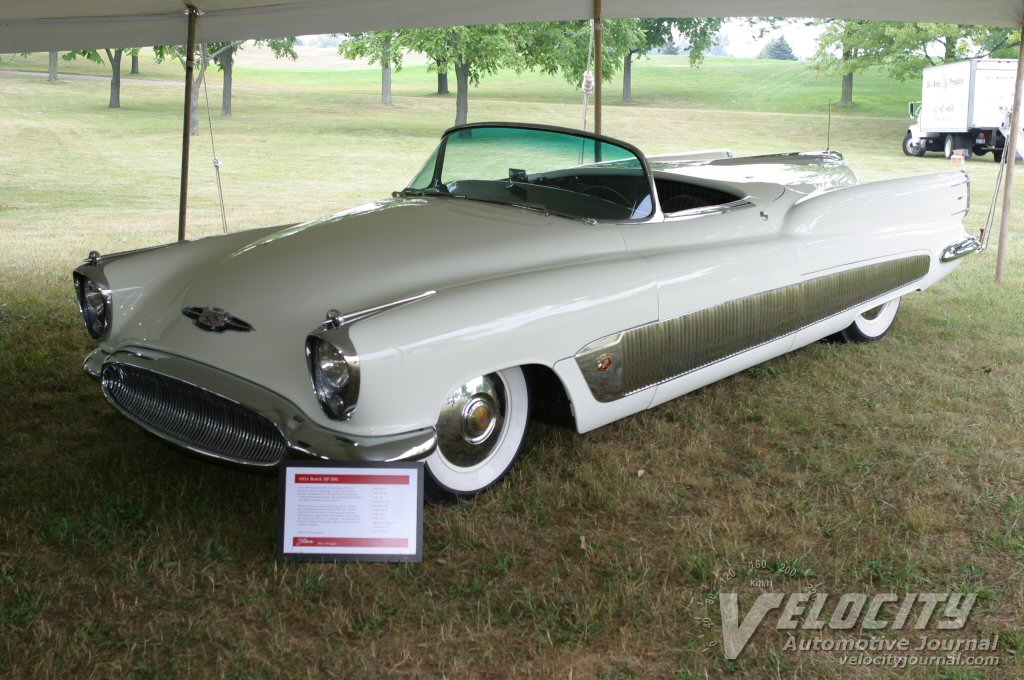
column 894, row 466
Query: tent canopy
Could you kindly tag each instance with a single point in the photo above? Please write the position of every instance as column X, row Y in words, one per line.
column 79, row 24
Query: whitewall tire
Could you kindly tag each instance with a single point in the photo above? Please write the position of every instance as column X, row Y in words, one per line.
column 871, row 324
column 480, row 429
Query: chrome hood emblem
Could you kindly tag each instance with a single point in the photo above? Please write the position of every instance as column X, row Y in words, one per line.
column 215, row 319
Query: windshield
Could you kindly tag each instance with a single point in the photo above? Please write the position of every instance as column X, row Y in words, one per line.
column 550, row 170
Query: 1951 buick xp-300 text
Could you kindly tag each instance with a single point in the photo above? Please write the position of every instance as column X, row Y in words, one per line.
column 523, row 265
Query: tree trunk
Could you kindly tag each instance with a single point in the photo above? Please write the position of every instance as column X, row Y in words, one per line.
column 53, row 65
column 135, row 63
column 461, row 93
column 197, row 85
column 115, row 77
column 442, row 77
column 227, row 64
column 385, row 83
column 627, row 77
column 847, row 97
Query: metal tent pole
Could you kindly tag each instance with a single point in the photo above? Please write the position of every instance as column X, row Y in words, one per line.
column 1010, row 148
column 598, row 68
column 186, row 132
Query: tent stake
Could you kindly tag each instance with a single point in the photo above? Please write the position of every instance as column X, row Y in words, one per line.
column 598, row 68
column 186, row 133
column 1010, row 148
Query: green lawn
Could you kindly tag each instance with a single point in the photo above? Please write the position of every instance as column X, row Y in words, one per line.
column 892, row 467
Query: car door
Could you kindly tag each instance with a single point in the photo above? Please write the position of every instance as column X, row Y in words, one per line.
column 724, row 278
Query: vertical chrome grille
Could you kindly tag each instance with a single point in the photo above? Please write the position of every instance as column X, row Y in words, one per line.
column 658, row 352
column 193, row 417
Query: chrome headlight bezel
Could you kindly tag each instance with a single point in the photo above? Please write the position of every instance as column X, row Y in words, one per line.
column 337, row 394
column 93, row 296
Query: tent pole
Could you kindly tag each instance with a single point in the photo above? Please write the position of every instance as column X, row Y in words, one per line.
column 1010, row 148
column 598, row 66
column 186, row 132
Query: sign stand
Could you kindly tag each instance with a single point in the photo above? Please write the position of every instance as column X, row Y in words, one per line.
column 334, row 511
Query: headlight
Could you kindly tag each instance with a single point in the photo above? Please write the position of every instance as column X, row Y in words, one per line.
column 94, row 301
column 335, row 375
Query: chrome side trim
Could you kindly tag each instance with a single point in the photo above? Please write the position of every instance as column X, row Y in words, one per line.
column 712, row 209
column 303, row 438
column 624, row 363
column 336, row 319
column 95, row 258
column 961, row 248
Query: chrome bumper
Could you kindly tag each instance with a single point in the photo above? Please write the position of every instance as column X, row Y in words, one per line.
column 304, row 439
column 961, row 248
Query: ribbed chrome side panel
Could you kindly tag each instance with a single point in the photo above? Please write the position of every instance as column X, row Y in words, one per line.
column 193, row 417
column 646, row 356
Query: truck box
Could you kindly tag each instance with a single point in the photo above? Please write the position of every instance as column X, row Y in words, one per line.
column 966, row 95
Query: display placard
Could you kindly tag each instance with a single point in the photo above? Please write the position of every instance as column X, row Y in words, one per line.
column 333, row 511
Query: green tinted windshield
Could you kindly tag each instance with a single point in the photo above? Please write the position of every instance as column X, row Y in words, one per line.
column 557, row 171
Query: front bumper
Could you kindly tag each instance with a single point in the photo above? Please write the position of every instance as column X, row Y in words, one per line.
column 203, row 410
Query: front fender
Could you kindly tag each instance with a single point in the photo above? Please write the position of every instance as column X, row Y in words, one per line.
column 412, row 357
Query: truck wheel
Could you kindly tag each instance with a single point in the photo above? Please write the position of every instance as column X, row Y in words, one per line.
column 997, row 155
column 911, row 149
column 947, row 149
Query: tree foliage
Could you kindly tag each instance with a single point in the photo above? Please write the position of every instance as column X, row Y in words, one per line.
column 904, row 49
column 777, row 49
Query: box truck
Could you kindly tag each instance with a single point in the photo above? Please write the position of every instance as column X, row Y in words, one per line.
column 964, row 105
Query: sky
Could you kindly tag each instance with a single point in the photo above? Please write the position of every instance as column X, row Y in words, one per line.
column 742, row 43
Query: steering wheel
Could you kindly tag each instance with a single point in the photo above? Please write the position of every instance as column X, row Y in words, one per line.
column 607, row 194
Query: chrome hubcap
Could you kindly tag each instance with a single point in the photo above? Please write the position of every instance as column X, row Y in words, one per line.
column 469, row 427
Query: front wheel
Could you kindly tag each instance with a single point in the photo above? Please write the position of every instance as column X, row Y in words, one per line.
column 910, row 148
column 947, row 147
column 872, row 324
column 480, row 433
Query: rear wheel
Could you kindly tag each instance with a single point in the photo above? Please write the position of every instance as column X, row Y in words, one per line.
column 997, row 155
column 910, row 148
column 480, row 432
column 872, row 324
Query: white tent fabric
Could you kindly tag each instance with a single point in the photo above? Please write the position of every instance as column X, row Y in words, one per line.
column 77, row 24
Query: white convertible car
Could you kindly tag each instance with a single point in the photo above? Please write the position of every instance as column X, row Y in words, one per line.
column 524, row 267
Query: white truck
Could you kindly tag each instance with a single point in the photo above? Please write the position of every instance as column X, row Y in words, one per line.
column 964, row 105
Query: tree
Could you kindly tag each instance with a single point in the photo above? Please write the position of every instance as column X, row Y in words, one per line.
column 912, row 47
column 442, row 76
column 472, row 52
column 903, row 50
column 700, row 35
column 134, row 53
column 563, row 47
column 224, row 57
column 221, row 54
column 198, row 74
column 382, row 47
column 777, row 49
column 114, row 57
column 848, row 47
column 53, row 66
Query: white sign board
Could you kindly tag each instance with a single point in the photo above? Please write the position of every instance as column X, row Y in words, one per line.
column 344, row 511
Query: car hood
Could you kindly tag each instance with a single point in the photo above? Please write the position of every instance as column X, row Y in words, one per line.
column 283, row 284
column 384, row 251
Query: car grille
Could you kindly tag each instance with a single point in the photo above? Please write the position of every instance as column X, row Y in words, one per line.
column 194, row 417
